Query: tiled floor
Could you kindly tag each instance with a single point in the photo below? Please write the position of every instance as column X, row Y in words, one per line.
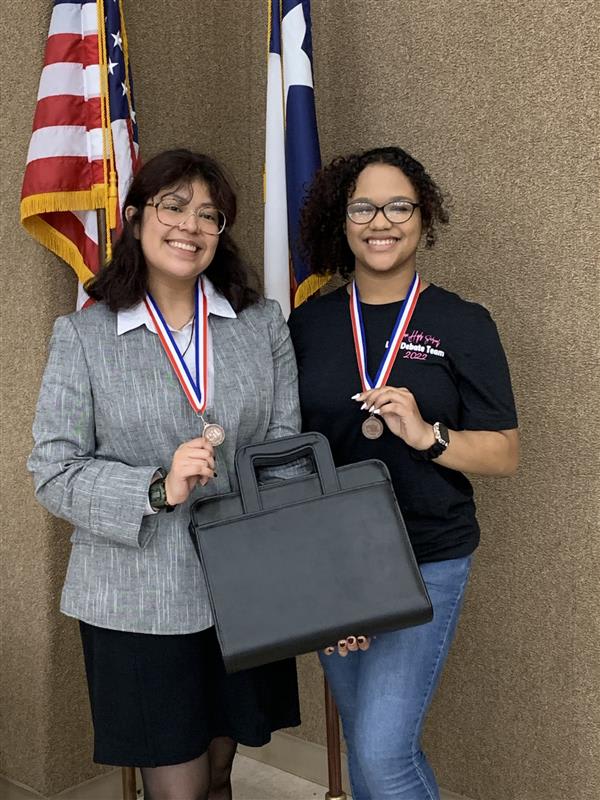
column 255, row 781
column 252, row 780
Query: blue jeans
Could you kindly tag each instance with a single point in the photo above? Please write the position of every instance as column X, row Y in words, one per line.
column 383, row 694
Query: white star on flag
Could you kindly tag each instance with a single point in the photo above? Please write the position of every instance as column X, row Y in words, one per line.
column 125, row 89
column 297, row 69
column 118, row 41
column 111, row 66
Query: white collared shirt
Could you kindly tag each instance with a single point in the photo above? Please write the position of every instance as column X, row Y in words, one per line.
column 136, row 316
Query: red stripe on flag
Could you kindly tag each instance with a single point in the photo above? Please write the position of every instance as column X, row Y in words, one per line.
column 70, row 226
column 60, row 125
column 68, row 109
column 71, row 48
column 135, row 160
column 61, row 174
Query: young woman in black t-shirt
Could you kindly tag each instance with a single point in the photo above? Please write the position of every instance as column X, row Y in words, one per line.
column 395, row 368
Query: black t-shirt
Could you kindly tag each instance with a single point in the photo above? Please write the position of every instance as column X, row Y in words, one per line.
column 451, row 359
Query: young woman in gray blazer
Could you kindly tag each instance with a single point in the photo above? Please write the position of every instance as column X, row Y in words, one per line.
column 145, row 399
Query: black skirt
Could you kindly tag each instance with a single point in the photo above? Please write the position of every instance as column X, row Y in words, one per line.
column 160, row 700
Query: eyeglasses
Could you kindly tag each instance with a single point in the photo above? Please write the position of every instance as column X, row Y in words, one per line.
column 170, row 211
column 396, row 211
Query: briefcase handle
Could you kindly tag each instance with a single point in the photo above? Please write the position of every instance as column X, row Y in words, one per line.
column 277, row 452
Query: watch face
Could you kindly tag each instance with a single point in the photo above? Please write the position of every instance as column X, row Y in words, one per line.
column 157, row 495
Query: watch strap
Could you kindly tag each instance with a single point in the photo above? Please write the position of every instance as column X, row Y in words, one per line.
column 157, row 493
column 442, row 440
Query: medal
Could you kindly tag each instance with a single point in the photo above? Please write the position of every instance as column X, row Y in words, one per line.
column 195, row 390
column 213, row 433
column 372, row 428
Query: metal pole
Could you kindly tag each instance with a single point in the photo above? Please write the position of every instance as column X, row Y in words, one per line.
column 129, row 783
column 128, row 780
column 101, row 218
column 334, row 762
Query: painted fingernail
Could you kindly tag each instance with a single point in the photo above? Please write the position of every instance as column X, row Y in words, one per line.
column 351, row 640
column 342, row 644
column 372, row 409
column 363, row 407
column 377, row 411
column 355, row 396
column 329, row 651
column 216, row 475
column 361, row 640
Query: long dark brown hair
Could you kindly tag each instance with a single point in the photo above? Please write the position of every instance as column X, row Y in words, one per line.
column 122, row 283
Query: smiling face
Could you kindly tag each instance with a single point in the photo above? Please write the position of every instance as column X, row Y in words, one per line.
column 177, row 252
column 381, row 246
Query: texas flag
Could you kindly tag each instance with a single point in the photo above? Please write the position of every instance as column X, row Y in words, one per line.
column 292, row 154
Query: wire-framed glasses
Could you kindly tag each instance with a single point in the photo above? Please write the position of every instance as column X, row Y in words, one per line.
column 171, row 211
column 396, row 211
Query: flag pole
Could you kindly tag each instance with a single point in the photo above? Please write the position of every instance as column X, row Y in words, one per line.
column 129, row 783
column 128, row 777
column 334, row 763
column 102, row 234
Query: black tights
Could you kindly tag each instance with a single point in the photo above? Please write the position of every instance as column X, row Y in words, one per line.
column 205, row 778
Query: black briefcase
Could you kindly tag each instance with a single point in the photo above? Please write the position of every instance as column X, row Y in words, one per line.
column 294, row 565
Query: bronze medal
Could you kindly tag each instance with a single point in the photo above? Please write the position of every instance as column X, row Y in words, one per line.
column 372, row 427
column 213, row 433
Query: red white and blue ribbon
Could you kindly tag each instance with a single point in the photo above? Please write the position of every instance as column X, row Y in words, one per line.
column 195, row 389
column 395, row 340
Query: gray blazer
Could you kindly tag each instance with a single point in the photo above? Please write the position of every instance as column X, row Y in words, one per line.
column 110, row 413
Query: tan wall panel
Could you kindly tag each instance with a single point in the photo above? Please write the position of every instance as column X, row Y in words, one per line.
column 46, row 737
column 200, row 81
column 499, row 101
column 30, row 301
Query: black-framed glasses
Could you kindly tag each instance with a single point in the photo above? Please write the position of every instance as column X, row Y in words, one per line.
column 396, row 211
column 171, row 212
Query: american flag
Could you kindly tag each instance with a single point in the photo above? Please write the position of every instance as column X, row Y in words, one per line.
column 84, row 147
column 292, row 154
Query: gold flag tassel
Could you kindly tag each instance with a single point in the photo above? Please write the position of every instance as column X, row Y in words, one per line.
column 108, row 160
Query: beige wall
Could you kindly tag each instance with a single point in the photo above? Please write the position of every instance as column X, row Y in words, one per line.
column 499, row 100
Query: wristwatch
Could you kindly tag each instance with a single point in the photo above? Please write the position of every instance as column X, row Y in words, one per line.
column 442, row 440
column 157, row 494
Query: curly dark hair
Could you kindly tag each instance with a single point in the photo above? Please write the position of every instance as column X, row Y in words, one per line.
column 322, row 235
column 123, row 281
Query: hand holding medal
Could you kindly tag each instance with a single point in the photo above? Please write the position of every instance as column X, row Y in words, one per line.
column 193, row 463
column 400, row 412
column 372, row 427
